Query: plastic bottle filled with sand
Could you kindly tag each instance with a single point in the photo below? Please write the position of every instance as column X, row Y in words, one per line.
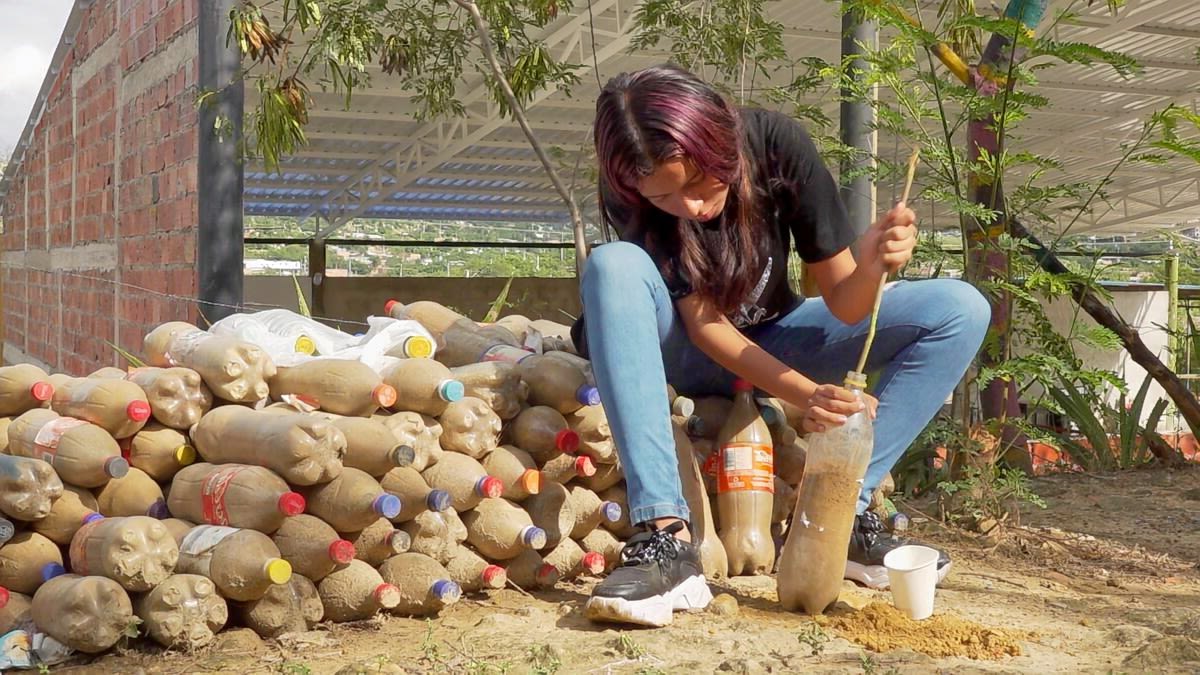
column 607, row 475
column 542, row 432
column 745, row 483
column 497, row 383
column 551, row 510
column 463, row 346
column 233, row 494
column 117, row 406
column 311, row 546
column 249, row 328
column 243, row 564
column 14, row 610
column 23, row 387
column 429, row 534
column 293, row 607
column 356, row 592
column 339, row 386
column 351, row 502
column 29, row 488
column 464, row 478
column 372, row 446
column 415, row 494
column 235, row 370
column 425, row 586
column 570, row 560
column 83, row 454
column 529, row 570
column 424, row 386
column 87, row 614
column 420, row 432
column 813, row 560
column 516, row 469
column 590, row 423
column 500, row 530
column 134, row 494
column 27, row 561
column 435, row 317
column 565, row 468
column 713, row 559
column 378, row 541
column 589, row 511
column 558, row 384
column 183, row 612
column 303, row 449
column 178, row 396
column 137, row 552
column 159, row 450
column 469, row 426
column 606, row 544
column 623, row 527
column 473, row 573
column 71, row 511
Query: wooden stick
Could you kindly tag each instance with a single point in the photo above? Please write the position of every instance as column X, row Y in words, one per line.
column 908, row 181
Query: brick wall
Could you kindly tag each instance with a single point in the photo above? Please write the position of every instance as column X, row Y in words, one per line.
column 100, row 217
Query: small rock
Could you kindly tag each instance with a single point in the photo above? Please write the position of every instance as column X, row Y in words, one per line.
column 724, row 605
column 1172, row 652
column 1085, row 621
column 237, row 640
column 742, row 667
column 379, row 664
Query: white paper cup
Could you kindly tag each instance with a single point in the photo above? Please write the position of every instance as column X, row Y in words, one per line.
column 912, row 571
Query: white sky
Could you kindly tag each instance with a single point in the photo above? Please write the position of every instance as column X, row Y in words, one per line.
column 29, row 33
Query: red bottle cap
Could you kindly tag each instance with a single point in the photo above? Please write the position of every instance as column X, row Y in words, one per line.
column 342, row 551
column 566, row 441
column 593, row 562
column 42, row 391
column 3, row 597
column 387, row 306
column 494, row 576
column 585, row 467
column 291, row 503
column 740, row 385
column 490, row 486
column 138, row 411
column 387, row 595
column 547, row 575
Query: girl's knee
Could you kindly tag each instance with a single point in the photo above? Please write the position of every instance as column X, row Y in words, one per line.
column 617, row 262
column 966, row 305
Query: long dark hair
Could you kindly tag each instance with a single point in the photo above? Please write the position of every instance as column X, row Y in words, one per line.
column 660, row 113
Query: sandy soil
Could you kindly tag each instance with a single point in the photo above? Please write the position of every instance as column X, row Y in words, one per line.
column 1104, row 579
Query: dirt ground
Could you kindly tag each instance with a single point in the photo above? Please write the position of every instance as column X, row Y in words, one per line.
column 1103, row 580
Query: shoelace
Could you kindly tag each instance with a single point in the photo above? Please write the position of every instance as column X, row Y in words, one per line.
column 868, row 528
column 652, row 546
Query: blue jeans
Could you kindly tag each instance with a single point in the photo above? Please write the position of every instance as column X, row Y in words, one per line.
column 926, row 335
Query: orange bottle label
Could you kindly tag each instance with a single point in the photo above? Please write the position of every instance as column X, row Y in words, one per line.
column 746, row 466
column 45, row 444
column 212, row 495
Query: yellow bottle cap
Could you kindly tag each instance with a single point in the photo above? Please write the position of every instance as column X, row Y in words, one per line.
column 418, row 347
column 279, row 571
column 185, row 455
column 855, row 380
column 305, row 345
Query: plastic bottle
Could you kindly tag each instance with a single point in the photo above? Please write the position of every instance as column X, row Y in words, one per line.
column 158, row 450
column 425, row 586
column 339, row 386
column 351, row 502
column 233, row 494
column 87, row 614
column 708, row 457
column 606, row 544
column 462, row 346
column 356, row 592
column 713, row 559
column 516, row 470
column 243, row 564
column 378, row 541
column 745, row 482
column 516, row 324
column 542, row 432
column 178, row 396
column 249, row 328
column 429, row 534
column 436, row 318
column 294, row 607
column 23, row 387
column 117, row 406
column 497, row 383
column 607, row 475
column 136, row 552
column 27, row 561
column 469, row 426
column 551, row 510
column 372, row 446
column 420, row 432
column 4, row 424
column 423, row 385
column 83, row 454
column 312, row 547
column 464, row 478
column 590, row 423
column 570, row 560
column 298, row 328
column 29, row 488
column 68, row 513
column 681, row 406
column 566, row 468
column 530, row 570
column 713, row 410
column 14, row 611
column 558, row 384
column 455, row 528
column 177, row 527
column 415, row 494
column 813, row 561
column 622, row 527
column 303, row 449
column 183, row 612
column 500, row 530
column 589, row 511
column 473, row 573
column 233, row 369
column 134, row 494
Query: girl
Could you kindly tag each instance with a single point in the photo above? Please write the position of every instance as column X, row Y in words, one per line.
column 707, row 199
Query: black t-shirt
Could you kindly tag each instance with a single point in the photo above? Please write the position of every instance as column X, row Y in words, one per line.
column 799, row 202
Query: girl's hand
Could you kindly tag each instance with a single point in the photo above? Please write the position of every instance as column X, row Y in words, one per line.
column 888, row 244
column 830, row 405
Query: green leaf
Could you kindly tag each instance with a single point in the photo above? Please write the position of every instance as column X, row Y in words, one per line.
column 493, row 313
column 301, row 301
column 129, row 358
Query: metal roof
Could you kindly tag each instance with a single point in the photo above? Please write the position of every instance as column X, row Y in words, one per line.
column 375, row 160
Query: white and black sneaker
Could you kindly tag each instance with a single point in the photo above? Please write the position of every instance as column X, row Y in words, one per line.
column 659, row 575
column 869, row 542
